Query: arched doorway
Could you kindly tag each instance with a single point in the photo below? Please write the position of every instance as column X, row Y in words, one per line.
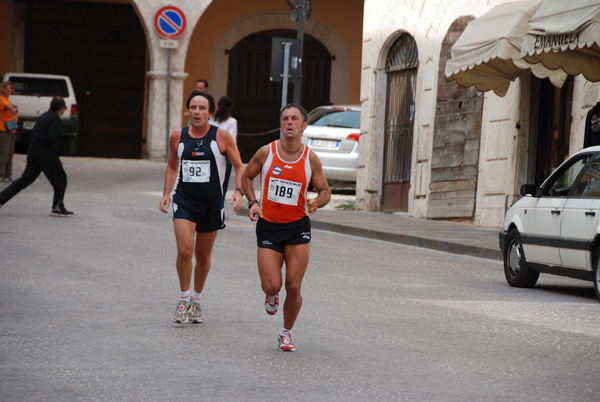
column 102, row 48
column 401, row 70
column 257, row 99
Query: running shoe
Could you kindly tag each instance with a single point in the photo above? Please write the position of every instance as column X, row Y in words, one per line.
column 196, row 313
column 285, row 342
column 272, row 304
column 182, row 312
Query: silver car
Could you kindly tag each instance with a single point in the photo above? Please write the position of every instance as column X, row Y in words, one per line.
column 333, row 133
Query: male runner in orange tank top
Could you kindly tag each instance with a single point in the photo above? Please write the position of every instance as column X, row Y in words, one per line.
column 286, row 168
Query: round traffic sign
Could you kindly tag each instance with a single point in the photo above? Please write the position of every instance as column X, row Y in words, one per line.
column 169, row 22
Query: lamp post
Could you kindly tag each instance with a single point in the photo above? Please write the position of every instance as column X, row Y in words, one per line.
column 300, row 11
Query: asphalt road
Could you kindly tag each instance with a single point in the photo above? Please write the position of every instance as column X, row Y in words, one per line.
column 86, row 303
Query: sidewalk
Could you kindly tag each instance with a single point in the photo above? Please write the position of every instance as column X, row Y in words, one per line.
column 443, row 236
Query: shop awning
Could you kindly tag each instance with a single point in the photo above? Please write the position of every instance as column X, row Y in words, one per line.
column 565, row 34
column 488, row 53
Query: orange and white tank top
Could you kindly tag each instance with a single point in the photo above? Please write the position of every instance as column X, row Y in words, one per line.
column 284, row 186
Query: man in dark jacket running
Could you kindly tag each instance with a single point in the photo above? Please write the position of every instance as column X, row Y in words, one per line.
column 42, row 156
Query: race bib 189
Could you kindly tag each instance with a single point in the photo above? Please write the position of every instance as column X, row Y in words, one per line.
column 196, row 171
column 284, row 191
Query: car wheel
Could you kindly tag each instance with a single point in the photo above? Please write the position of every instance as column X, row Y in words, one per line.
column 517, row 273
column 596, row 274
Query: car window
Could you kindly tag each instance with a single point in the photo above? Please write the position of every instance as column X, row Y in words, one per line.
column 561, row 185
column 589, row 183
column 334, row 118
column 30, row 86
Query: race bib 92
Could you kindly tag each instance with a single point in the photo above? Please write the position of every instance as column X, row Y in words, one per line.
column 196, row 171
column 284, row 191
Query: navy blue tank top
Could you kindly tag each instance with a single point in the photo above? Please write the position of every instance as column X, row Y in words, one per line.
column 199, row 185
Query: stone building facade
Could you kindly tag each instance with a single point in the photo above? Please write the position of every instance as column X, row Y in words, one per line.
column 470, row 151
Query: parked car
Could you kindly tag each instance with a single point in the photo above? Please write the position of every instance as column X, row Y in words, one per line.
column 32, row 96
column 333, row 133
column 555, row 227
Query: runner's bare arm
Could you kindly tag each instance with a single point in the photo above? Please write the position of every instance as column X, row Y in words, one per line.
column 319, row 182
column 171, row 171
column 252, row 170
column 227, row 145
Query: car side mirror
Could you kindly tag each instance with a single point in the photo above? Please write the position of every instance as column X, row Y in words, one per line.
column 530, row 189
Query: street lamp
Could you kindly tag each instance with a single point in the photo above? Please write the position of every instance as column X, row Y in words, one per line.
column 304, row 5
column 299, row 11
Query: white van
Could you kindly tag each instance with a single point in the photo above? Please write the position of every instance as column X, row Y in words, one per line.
column 32, row 96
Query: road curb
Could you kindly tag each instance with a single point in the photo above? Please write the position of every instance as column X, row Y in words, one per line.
column 409, row 240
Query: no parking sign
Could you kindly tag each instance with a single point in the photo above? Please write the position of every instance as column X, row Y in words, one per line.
column 169, row 22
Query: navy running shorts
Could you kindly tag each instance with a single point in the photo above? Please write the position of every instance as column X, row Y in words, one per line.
column 276, row 236
column 205, row 223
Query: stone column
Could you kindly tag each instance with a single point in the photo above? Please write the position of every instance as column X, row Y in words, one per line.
column 157, row 110
column 157, row 131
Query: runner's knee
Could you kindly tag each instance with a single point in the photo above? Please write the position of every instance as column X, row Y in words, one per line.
column 292, row 287
column 185, row 252
column 270, row 288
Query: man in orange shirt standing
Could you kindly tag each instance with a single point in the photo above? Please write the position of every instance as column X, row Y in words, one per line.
column 8, row 112
column 283, row 231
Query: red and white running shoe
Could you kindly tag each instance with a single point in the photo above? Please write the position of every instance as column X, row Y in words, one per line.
column 285, row 342
column 272, row 304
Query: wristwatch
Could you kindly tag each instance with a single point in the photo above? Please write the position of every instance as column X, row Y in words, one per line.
column 252, row 202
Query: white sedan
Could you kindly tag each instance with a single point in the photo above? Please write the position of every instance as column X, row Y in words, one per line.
column 333, row 133
column 554, row 228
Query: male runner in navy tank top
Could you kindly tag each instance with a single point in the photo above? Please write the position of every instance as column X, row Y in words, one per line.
column 200, row 174
column 196, row 170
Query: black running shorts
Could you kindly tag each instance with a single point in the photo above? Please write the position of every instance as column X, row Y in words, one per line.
column 276, row 236
column 206, row 223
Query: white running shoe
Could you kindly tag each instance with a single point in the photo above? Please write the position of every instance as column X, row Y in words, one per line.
column 272, row 304
column 195, row 313
column 285, row 342
column 182, row 312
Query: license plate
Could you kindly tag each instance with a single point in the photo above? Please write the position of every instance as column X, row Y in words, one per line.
column 28, row 125
column 321, row 143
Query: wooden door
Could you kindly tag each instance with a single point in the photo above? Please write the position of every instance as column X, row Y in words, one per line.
column 399, row 121
column 102, row 48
